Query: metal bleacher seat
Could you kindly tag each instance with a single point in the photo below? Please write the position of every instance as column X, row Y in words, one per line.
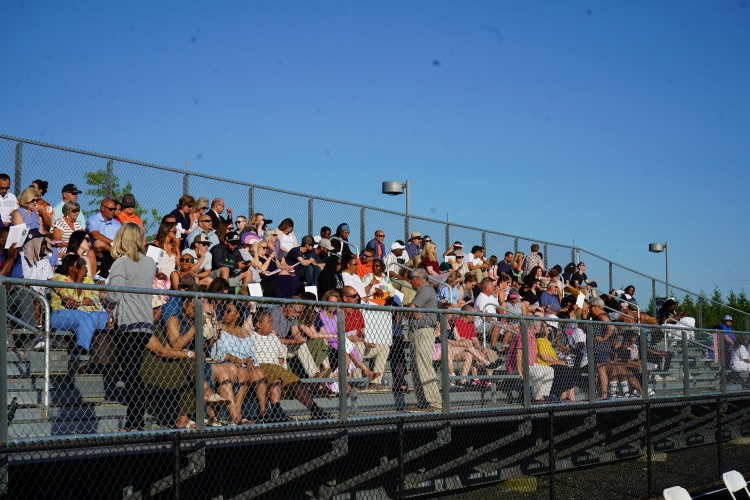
column 676, row 493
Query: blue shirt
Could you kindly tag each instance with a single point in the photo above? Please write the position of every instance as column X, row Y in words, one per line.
column 212, row 238
column 107, row 228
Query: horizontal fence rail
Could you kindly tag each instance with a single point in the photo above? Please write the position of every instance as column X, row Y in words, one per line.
column 62, row 165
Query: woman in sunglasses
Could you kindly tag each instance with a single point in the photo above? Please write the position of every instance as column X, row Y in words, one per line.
column 67, row 224
column 77, row 310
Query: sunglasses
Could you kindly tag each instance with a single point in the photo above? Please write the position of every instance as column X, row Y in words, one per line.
column 351, row 296
column 186, row 259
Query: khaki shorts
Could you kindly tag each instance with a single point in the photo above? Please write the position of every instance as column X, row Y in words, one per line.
column 278, row 372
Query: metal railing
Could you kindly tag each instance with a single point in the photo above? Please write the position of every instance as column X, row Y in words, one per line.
column 61, row 165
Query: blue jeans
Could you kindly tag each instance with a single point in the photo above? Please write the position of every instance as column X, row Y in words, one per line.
column 84, row 324
column 309, row 273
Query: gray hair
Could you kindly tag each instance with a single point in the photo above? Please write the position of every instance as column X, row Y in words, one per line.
column 419, row 273
column 68, row 207
column 596, row 302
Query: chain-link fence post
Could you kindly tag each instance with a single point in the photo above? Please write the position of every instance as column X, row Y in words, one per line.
column 642, row 345
column 722, row 360
column 447, row 236
column 19, row 169
column 649, row 462
column 546, row 257
column 4, row 364
column 611, row 281
column 200, row 359
column 310, row 217
column 361, row 230
column 186, row 183
column 719, row 431
column 525, row 364
column 484, row 242
column 591, row 364
column 250, row 203
column 653, row 294
column 110, row 175
column 700, row 312
column 445, row 367
column 515, row 245
column 552, row 454
column 685, row 364
column 342, row 364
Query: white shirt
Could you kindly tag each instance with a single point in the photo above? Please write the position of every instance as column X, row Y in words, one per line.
column 355, row 282
column 268, row 348
column 737, row 363
column 8, row 203
column 485, row 304
column 577, row 337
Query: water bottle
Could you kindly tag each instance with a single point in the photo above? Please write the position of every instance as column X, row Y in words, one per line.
column 386, row 381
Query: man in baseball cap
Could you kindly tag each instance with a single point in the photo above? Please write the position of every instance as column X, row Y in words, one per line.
column 128, row 211
column 70, row 193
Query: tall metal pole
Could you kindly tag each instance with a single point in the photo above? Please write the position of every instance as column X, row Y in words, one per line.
column 408, row 208
column 666, row 253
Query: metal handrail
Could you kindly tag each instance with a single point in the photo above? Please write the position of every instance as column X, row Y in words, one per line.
column 345, row 242
column 429, row 278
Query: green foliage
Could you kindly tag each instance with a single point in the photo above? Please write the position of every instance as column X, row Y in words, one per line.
column 96, row 191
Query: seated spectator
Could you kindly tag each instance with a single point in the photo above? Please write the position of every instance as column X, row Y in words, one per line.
column 118, row 209
column 621, row 371
column 325, row 232
column 414, row 245
column 530, row 295
column 102, row 228
column 668, row 313
column 349, row 275
column 330, row 277
column 270, row 354
column 492, row 271
column 181, row 216
column 10, row 258
column 541, row 377
column 278, row 280
column 254, row 229
column 287, row 239
column 65, row 225
column 166, row 239
column 377, row 244
column 301, row 258
column 200, row 208
column 583, row 280
column 354, row 322
column 477, row 264
column 739, row 359
column 563, row 382
column 35, row 262
column 364, row 263
column 286, row 325
column 201, row 259
column 504, row 266
column 321, row 251
column 455, row 262
column 427, row 260
column 487, row 303
column 377, row 284
column 78, row 244
column 469, row 289
column 69, row 193
column 464, row 336
column 532, row 260
column 49, row 213
column 340, row 242
column 205, row 227
column 549, row 299
column 316, row 341
column 536, row 273
column 239, row 224
column 185, row 269
column 450, row 291
column 517, row 268
column 128, row 211
column 29, row 212
column 602, row 343
column 228, row 263
column 236, row 348
column 567, row 275
column 77, row 310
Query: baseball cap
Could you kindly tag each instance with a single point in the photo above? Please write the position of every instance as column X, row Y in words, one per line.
column 325, row 243
column 397, row 246
column 232, row 237
column 728, row 318
column 71, row 188
column 128, row 201
column 201, row 238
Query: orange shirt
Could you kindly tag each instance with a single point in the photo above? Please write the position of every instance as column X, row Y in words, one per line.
column 363, row 268
column 123, row 218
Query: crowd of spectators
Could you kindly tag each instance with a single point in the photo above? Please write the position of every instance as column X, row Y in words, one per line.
column 201, row 246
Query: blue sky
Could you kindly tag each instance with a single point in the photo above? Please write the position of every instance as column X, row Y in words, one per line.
column 613, row 124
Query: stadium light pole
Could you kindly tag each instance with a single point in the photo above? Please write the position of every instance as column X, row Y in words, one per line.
column 659, row 248
column 395, row 188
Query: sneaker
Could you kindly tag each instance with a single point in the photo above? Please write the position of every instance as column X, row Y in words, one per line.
column 651, row 392
column 39, row 345
column 476, row 382
column 488, row 383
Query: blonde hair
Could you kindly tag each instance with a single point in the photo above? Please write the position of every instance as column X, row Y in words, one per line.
column 27, row 195
column 201, row 202
column 128, row 242
column 518, row 257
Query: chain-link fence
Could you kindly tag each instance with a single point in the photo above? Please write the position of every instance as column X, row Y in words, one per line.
column 25, row 161
column 246, row 397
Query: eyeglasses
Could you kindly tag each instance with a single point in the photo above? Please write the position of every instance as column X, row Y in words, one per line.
column 355, row 296
column 380, row 236
column 35, row 200
column 204, row 220
column 428, row 241
column 76, row 210
column 186, row 259
column 366, row 257
column 109, row 208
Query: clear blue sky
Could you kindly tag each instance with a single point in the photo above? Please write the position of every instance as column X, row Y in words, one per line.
column 613, row 124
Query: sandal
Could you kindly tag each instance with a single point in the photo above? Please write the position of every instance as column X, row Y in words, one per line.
column 185, row 423
column 212, row 422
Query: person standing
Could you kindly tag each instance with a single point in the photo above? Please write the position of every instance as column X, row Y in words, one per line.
column 422, row 337
column 133, row 315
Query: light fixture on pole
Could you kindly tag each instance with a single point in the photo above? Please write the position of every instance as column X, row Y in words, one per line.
column 395, row 188
column 659, row 248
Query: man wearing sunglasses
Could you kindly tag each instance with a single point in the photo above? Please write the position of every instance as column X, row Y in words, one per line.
column 102, row 228
column 205, row 227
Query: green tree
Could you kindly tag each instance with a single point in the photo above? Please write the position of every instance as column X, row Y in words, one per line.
column 97, row 191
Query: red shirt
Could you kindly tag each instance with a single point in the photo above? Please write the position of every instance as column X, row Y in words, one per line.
column 354, row 321
column 465, row 330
